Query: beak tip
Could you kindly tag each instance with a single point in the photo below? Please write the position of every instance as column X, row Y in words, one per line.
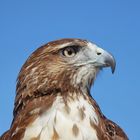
column 113, row 66
column 113, row 70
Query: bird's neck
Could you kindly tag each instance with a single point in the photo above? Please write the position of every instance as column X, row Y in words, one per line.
column 71, row 84
column 46, row 97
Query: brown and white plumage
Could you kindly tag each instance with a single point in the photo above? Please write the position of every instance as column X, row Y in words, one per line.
column 53, row 100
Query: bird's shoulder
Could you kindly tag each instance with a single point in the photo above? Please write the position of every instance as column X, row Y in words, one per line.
column 113, row 131
column 110, row 130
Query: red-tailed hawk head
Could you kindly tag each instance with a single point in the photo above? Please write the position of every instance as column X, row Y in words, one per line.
column 65, row 64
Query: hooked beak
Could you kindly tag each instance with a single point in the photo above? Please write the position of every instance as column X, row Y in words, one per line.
column 108, row 61
column 101, row 58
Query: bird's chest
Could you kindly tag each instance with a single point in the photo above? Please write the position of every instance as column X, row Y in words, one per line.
column 76, row 120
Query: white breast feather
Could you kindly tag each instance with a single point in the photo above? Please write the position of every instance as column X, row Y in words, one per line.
column 57, row 118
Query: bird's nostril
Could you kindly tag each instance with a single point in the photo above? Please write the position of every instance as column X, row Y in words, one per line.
column 98, row 53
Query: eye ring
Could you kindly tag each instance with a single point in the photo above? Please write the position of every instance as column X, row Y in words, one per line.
column 69, row 52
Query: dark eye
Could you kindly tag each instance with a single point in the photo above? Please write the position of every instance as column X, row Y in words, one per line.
column 70, row 51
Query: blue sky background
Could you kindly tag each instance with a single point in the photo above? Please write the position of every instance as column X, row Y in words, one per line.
column 113, row 25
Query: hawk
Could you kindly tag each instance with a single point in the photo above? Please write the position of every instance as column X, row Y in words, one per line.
column 53, row 100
